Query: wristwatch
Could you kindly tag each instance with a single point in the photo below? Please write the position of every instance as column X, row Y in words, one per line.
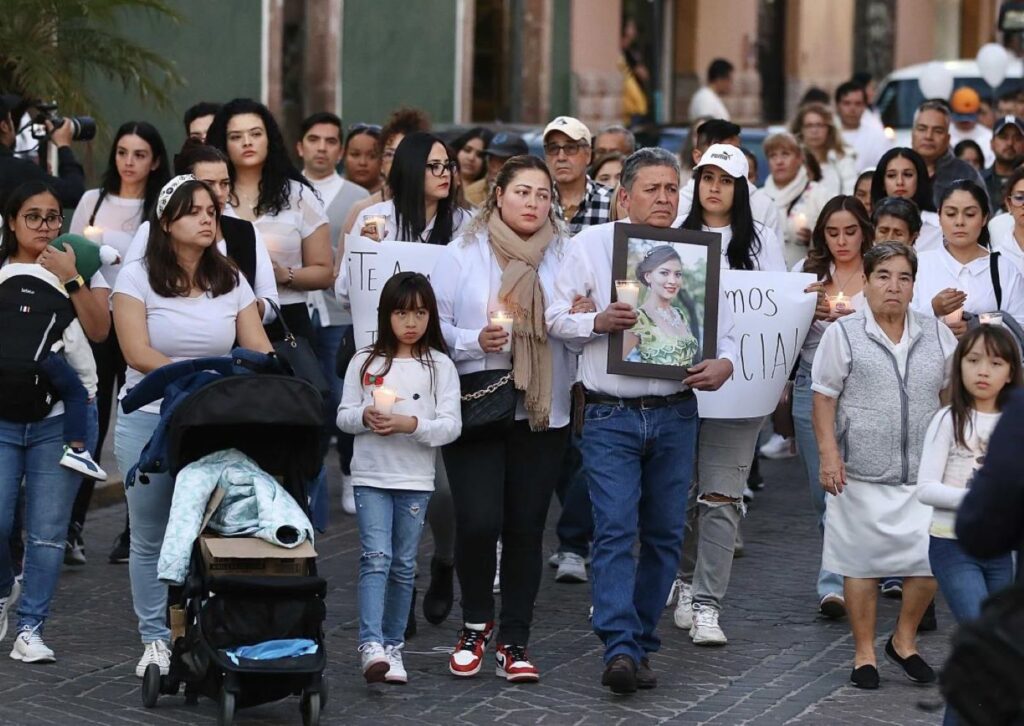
column 75, row 284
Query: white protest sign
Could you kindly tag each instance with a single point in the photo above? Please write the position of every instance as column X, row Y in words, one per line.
column 772, row 314
column 368, row 265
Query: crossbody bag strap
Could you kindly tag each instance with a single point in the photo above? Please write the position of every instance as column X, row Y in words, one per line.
column 993, row 268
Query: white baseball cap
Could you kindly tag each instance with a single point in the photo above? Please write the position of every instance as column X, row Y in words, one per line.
column 729, row 159
column 571, row 127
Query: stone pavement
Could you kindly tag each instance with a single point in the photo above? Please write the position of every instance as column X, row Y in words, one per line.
column 783, row 665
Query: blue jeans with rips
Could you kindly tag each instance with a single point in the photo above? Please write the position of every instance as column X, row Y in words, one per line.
column 639, row 463
column 390, row 527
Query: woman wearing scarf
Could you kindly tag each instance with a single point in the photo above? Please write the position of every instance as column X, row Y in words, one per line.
column 508, row 260
column 798, row 197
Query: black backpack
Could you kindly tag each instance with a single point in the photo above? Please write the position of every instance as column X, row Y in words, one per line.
column 33, row 316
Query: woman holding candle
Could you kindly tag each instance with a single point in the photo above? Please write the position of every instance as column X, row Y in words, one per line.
column 507, row 260
column 901, row 172
column 401, row 401
column 281, row 203
column 957, row 278
column 797, row 197
column 136, row 170
column 815, row 128
column 840, row 240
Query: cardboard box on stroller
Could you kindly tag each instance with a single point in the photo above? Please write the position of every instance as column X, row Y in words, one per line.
column 254, row 556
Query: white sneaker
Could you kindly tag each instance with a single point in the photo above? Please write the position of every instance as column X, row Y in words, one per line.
column 348, row 496
column 572, row 568
column 82, row 462
column 396, row 668
column 155, row 652
column 778, row 447
column 673, row 593
column 7, row 605
column 30, row 648
column 496, row 587
column 374, row 661
column 555, row 560
column 705, row 630
column 683, row 615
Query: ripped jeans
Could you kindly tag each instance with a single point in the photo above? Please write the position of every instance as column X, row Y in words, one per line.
column 724, row 454
column 390, row 527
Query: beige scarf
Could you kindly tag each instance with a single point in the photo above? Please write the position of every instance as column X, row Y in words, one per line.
column 522, row 296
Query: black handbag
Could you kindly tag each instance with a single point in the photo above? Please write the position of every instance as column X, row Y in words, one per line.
column 298, row 357
column 488, row 404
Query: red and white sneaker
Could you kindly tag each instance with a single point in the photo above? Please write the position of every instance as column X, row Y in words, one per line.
column 513, row 664
column 468, row 656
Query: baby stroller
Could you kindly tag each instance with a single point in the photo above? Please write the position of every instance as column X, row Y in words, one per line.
column 276, row 420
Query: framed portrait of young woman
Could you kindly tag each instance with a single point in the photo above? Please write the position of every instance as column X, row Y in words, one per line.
column 671, row 277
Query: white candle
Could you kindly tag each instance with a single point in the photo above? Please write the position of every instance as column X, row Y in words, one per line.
column 839, row 303
column 384, row 400
column 956, row 316
column 800, row 221
column 93, row 234
column 991, row 318
column 380, row 221
column 504, row 319
column 627, row 291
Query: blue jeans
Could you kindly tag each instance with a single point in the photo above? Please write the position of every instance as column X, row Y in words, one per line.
column 966, row 581
column 829, row 583
column 390, row 527
column 71, row 391
column 639, row 464
column 32, row 451
column 148, row 508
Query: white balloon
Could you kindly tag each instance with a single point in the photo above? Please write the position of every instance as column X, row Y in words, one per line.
column 936, row 81
column 993, row 62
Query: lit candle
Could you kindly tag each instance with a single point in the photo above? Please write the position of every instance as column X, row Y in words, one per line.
column 627, row 291
column 504, row 319
column 991, row 318
column 800, row 221
column 384, row 400
column 954, row 317
column 93, row 234
column 380, row 221
column 839, row 303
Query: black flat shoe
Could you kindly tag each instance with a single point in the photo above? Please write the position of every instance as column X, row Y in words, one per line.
column 865, row 677
column 620, row 675
column 437, row 601
column 913, row 666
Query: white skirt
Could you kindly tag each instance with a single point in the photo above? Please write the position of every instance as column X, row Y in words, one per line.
column 876, row 530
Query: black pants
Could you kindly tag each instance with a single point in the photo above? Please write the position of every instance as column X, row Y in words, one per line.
column 501, row 489
column 110, row 370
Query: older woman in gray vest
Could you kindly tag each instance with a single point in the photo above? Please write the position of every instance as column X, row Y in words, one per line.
column 876, row 378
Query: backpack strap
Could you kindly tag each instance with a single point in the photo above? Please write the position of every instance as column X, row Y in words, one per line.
column 993, row 268
column 240, row 241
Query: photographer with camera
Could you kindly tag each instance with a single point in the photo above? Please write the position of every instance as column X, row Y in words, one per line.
column 70, row 180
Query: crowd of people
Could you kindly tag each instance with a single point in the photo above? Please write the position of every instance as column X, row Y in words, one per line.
column 895, row 397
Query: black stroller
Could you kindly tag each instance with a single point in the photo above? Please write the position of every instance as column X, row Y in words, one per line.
column 276, row 420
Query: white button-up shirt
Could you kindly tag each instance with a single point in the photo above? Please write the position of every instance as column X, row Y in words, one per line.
column 587, row 271
column 937, row 270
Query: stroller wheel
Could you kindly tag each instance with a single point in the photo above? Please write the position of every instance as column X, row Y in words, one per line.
column 151, row 685
column 324, row 690
column 310, row 708
column 226, row 713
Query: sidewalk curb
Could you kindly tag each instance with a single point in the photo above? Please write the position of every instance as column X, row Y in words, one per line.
column 107, row 494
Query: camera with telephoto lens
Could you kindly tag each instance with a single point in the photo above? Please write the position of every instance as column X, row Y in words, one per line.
column 83, row 128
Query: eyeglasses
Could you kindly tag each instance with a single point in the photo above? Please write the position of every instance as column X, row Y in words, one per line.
column 438, row 168
column 1017, row 199
column 36, row 222
column 570, row 149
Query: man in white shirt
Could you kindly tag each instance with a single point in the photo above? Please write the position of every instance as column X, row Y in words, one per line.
column 707, row 101
column 867, row 139
column 320, row 149
column 639, row 434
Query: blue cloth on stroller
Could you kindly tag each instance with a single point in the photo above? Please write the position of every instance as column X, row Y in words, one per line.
column 271, row 649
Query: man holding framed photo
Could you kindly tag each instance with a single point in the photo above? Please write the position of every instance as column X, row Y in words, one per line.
column 639, row 432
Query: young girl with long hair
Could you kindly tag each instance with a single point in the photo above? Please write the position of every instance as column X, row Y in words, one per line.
column 393, row 458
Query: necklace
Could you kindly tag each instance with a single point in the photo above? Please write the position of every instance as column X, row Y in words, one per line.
column 842, row 288
column 668, row 315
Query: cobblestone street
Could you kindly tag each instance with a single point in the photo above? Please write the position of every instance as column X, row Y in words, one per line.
column 782, row 664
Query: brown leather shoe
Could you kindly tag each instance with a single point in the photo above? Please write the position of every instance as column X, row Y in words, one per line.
column 645, row 677
column 620, row 675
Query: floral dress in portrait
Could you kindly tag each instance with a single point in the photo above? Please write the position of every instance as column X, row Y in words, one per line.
column 659, row 347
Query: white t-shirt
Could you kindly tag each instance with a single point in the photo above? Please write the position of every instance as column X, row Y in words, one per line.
column 769, row 257
column 328, row 187
column 402, row 461
column 119, row 219
column 930, row 237
column 283, row 233
column 183, row 328
column 706, row 102
column 1009, row 250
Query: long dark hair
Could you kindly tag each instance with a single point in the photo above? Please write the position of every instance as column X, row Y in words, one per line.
column 406, row 291
column 194, row 151
column 406, row 184
column 18, row 196
column 980, row 196
column 157, row 177
column 278, row 169
column 746, row 242
column 998, row 343
column 922, row 195
column 478, row 132
column 215, row 274
column 819, row 256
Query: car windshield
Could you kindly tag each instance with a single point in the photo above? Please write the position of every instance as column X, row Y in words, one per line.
column 898, row 99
